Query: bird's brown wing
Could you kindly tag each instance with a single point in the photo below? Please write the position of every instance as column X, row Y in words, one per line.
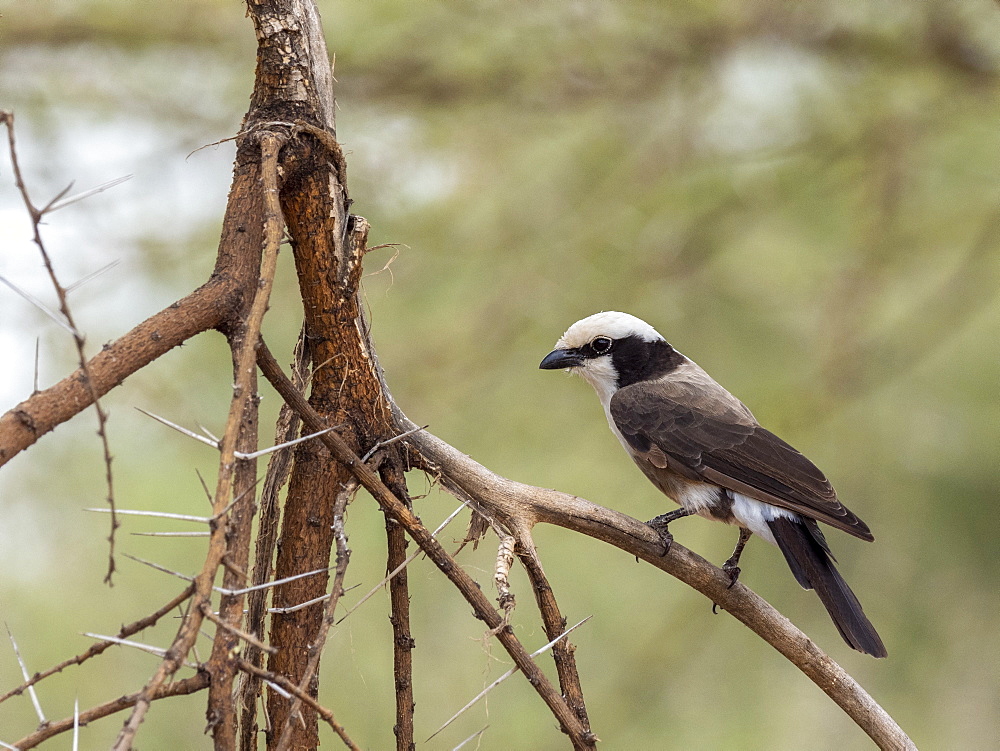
column 699, row 430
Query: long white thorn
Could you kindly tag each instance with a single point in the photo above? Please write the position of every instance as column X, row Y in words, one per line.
column 189, row 433
column 157, row 514
column 388, row 441
column 471, row 737
column 280, row 446
column 60, row 203
column 158, row 567
column 409, row 559
column 91, row 276
column 300, row 606
column 507, row 675
column 76, row 724
column 27, row 677
column 40, row 305
column 158, row 651
column 210, row 440
column 275, row 583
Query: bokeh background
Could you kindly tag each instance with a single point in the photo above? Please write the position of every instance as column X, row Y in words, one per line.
column 802, row 197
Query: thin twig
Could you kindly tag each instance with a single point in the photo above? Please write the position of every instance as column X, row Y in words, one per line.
column 505, row 676
column 286, row 685
column 247, row 637
column 182, row 687
column 409, row 559
column 399, row 618
column 563, row 654
column 316, row 648
column 67, row 314
column 96, row 649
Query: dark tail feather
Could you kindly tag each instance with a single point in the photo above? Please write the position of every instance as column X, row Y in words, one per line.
column 810, row 560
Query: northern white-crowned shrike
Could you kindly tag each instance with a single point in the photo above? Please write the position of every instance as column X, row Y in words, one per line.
column 703, row 448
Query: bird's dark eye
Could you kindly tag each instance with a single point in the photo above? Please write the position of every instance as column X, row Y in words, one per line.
column 601, row 345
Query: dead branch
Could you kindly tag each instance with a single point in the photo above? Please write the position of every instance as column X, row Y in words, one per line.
column 178, row 688
column 399, row 618
column 37, row 215
column 96, row 649
column 279, row 680
column 278, row 470
column 234, row 477
column 554, row 622
column 329, row 612
column 242, row 393
column 568, row 720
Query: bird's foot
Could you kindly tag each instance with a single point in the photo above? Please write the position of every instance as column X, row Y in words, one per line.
column 733, row 570
column 659, row 525
column 665, row 537
column 732, row 566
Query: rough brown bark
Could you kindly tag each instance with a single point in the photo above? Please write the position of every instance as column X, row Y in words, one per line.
column 569, row 722
column 345, row 392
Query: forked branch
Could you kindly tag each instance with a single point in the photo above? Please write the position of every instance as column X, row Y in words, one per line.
column 570, row 723
column 525, row 505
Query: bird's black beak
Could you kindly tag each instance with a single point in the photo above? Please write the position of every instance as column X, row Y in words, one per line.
column 561, row 358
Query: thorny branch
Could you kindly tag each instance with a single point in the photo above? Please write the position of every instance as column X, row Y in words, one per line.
column 99, row 647
column 329, row 613
column 278, row 470
column 79, row 340
column 580, row 736
column 399, row 618
column 242, row 393
column 563, row 652
column 286, row 685
column 178, row 688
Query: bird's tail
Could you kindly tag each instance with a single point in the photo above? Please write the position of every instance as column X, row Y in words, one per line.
column 809, row 558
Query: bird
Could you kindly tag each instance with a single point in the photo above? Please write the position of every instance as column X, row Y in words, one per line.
column 704, row 449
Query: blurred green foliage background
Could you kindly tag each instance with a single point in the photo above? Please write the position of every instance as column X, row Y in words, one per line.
column 802, row 197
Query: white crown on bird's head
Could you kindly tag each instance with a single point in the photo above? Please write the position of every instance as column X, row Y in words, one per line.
column 610, row 323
